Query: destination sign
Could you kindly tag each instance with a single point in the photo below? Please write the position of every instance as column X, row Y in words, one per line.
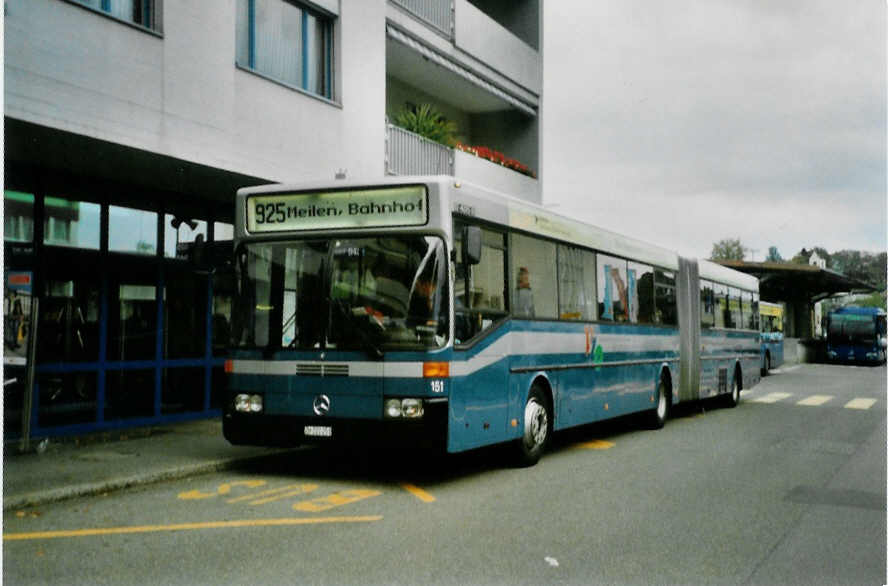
column 371, row 208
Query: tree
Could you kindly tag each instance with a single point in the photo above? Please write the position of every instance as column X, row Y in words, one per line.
column 773, row 255
column 728, row 249
column 877, row 299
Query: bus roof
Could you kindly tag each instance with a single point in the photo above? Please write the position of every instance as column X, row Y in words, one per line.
column 716, row 272
column 854, row 310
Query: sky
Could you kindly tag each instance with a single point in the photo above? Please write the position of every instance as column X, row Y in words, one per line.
column 686, row 122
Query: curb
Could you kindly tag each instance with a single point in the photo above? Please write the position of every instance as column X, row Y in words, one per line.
column 55, row 495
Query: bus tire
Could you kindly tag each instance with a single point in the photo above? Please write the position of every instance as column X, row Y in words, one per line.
column 657, row 416
column 732, row 399
column 537, row 428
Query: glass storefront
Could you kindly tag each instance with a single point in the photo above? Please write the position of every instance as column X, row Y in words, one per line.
column 130, row 330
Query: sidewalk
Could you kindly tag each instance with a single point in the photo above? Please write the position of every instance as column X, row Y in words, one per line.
column 125, row 458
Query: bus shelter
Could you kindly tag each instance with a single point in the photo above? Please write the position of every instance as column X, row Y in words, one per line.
column 800, row 287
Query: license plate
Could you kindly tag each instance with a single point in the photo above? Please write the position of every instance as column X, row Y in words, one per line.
column 318, row 431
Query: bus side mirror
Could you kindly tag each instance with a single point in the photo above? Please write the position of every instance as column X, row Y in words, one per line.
column 472, row 245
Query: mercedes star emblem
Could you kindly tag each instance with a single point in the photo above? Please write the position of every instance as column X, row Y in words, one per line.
column 321, row 405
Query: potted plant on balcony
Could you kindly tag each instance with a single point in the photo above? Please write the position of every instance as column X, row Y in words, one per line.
column 496, row 157
column 427, row 121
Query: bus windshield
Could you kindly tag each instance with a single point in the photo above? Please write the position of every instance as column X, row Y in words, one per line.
column 852, row 329
column 368, row 294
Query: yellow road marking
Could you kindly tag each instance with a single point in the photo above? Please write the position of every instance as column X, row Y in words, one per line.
column 860, row 403
column 815, row 400
column 418, row 492
column 596, row 445
column 187, row 527
column 223, row 489
column 337, row 499
column 267, row 496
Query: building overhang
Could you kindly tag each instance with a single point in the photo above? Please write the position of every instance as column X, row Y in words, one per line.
column 57, row 160
column 785, row 281
column 409, row 60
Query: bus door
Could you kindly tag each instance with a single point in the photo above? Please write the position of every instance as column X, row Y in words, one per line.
column 480, row 395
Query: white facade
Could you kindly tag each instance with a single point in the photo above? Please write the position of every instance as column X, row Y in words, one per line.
column 129, row 125
column 177, row 91
column 816, row 261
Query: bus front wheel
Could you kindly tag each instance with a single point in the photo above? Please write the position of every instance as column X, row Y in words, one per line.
column 537, row 428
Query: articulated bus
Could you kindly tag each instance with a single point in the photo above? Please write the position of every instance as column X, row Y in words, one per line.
column 772, row 335
column 856, row 335
column 433, row 312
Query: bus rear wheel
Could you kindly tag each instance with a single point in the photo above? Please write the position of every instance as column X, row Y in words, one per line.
column 657, row 416
column 537, row 428
column 732, row 399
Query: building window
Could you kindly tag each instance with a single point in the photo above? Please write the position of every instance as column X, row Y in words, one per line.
column 132, row 230
column 140, row 12
column 180, row 235
column 286, row 42
column 75, row 224
column 223, row 232
column 18, row 217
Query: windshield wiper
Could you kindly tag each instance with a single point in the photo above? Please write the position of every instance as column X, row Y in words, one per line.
column 365, row 326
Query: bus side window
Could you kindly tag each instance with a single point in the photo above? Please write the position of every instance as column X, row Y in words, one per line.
column 576, row 283
column 613, row 292
column 707, row 304
column 534, row 285
column 479, row 291
column 664, row 298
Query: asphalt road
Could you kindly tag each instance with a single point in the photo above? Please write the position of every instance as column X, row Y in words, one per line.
column 788, row 488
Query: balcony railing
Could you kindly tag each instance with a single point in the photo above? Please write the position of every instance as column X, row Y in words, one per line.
column 437, row 13
column 407, row 153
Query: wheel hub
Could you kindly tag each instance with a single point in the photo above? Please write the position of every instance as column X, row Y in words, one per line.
column 536, row 424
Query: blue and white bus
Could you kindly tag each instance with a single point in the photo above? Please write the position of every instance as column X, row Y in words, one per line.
column 424, row 309
column 856, row 335
column 772, row 335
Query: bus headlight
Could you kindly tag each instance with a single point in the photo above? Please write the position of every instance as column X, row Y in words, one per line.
column 411, row 408
column 406, row 408
column 245, row 403
column 393, row 408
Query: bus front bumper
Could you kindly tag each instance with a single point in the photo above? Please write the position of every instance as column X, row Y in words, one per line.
column 252, row 429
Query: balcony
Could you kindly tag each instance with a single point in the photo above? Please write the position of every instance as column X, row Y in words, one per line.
column 435, row 13
column 499, row 41
column 407, row 153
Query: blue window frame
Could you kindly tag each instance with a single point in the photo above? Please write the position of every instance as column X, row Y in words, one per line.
column 143, row 13
column 287, row 42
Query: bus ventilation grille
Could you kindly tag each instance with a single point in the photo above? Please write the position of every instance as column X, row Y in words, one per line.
column 722, row 380
column 322, row 369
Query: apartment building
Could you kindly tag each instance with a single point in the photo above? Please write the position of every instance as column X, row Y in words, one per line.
column 129, row 125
